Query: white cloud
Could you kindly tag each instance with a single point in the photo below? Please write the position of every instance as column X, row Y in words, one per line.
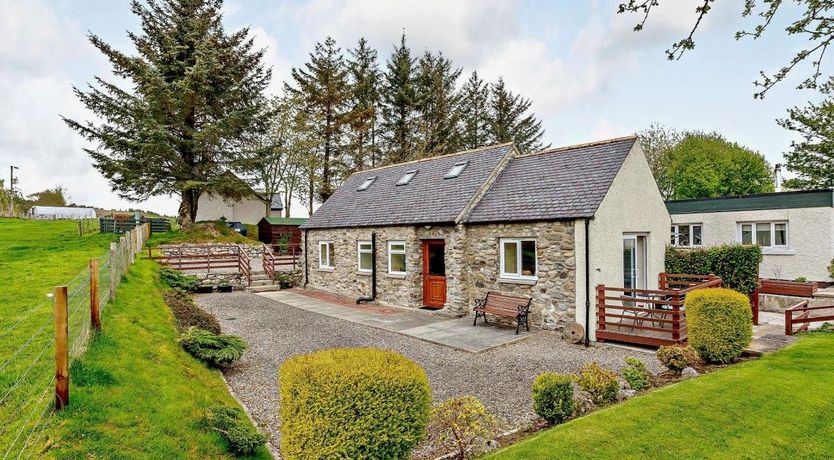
column 273, row 59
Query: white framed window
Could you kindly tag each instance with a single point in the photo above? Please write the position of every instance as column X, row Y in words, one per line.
column 518, row 258
column 456, row 170
column 365, row 261
column 407, row 177
column 396, row 258
column 366, row 183
column 687, row 235
column 765, row 234
column 326, row 255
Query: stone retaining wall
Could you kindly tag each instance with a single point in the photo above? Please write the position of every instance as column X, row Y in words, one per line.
column 254, row 252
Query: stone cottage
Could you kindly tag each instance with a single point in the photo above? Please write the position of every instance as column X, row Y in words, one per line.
column 442, row 232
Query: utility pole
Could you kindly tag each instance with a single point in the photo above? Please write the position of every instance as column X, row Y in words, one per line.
column 11, row 189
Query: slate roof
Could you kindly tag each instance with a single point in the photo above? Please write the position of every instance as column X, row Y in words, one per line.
column 428, row 199
column 563, row 183
column 755, row 202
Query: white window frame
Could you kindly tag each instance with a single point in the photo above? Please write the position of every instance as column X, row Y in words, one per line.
column 329, row 247
column 398, row 251
column 691, row 232
column 772, row 224
column 517, row 276
column 359, row 252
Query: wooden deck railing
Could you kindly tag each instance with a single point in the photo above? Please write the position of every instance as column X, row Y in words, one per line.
column 206, row 258
column 281, row 256
column 804, row 319
column 646, row 316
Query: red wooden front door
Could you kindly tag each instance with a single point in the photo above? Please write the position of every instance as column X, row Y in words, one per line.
column 434, row 273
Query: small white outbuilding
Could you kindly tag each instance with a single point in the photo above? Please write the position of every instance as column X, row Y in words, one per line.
column 61, row 212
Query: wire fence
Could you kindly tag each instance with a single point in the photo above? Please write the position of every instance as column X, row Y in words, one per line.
column 32, row 350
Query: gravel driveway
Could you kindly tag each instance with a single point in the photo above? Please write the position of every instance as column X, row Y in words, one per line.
column 500, row 378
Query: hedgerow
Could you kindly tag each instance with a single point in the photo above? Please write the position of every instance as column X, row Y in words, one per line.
column 737, row 265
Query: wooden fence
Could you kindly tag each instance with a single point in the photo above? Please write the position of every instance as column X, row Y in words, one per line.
column 31, row 373
column 281, row 257
column 804, row 318
column 156, row 224
column 646, row 316
column 205, row 257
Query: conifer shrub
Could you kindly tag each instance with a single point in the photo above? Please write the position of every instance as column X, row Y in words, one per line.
column 677, row 358
column 216, row 350
column 352, row 403
column 720, row 323
column 187, row 314
column 553, row 396
column 636, row 374
column 599, row 382
column 232, row 424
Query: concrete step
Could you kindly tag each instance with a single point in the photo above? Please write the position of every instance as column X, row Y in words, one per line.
column 264, row 288
column 260, row 277
column 261, row 282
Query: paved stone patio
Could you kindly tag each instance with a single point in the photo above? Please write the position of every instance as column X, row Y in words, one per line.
column 424, row 325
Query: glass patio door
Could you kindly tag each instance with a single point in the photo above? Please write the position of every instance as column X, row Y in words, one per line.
column 630, row 262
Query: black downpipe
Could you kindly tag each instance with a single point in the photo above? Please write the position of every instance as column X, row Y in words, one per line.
column 587, row 284
column 373, row 272
column 306, row 260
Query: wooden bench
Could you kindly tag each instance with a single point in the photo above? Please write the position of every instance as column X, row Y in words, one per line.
column 505, row 306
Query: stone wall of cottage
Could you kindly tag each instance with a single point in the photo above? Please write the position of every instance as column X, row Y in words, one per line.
column 345, row 278
column 553, row 294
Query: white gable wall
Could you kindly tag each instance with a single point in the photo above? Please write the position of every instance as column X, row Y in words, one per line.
column 810, row 238
column 213, row 207
column 633, row 204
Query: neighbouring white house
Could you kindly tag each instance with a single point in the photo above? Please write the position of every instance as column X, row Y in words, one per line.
column 794, row 229
column 443, row 232
column 248, row 210
column 60, row 212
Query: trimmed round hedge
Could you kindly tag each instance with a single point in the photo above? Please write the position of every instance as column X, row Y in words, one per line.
column 720, row 323
column 352, row 403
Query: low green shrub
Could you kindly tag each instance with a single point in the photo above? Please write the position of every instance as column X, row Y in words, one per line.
column 178, row 280
column 737, row 265
column 600, row 383
column 231, row 423
column 553, row 396
column 187, row 314
column 801, row 279
column 677, row 358
column 216, row 350
column 284, row 280
column 720, row 323
column 462, row 425
column 352, row 403
column 636, row 374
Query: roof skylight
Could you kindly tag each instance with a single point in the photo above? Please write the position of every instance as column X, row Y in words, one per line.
column 456, row 170
column 407, row 177
column 366, row 184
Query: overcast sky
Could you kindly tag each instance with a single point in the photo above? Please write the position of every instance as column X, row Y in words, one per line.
column 590, row 76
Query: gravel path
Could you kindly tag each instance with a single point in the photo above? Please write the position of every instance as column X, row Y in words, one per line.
column 500, row 378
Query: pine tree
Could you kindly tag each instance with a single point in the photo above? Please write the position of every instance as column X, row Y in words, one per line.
column 473, row 114
column 195, row 93
column 400, row 98
column 437, row 104
column 509, row 120
column 364, row 107
column 323, row 86
column 811, row 157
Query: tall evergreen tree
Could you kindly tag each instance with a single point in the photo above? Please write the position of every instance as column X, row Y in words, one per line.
column 509, row 120
column 472, row 110
column 323, row 86
column 399, row 95
column 811, row 157
column 364, row 106
column 195, row 93
column 437, row 105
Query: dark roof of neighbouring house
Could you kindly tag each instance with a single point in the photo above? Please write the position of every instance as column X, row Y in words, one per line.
column 756, row 202
column 285, row 220
column 428, row 199
column 562, row 183
column 277, row 203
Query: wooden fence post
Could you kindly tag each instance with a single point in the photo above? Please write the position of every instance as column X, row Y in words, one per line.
column 95, row 314
column 61, row 348
column 113, row 263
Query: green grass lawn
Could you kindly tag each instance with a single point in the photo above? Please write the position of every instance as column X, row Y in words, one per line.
column 136, row 393
column 35, row 256
column 781, row 406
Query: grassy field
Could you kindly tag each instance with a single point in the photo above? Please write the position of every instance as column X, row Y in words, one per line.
column 780, row 406
column 136, row 393
column 35, row 256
